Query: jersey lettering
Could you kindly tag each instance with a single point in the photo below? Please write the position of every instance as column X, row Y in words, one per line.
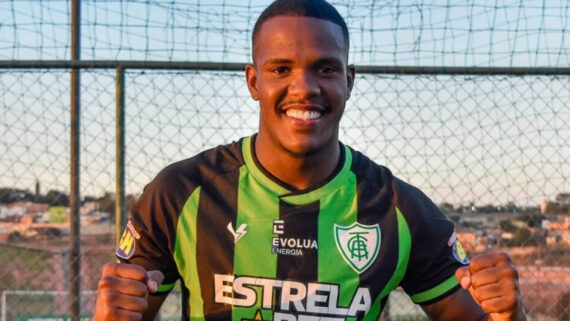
column 292, row 246
column 318, row 299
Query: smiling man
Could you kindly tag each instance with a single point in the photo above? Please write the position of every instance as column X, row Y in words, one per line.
column 302, row 81
column 290, row 224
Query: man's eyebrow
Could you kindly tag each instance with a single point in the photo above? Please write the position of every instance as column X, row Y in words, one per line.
column 324, row 60
column 329, row 60
column 276, row 61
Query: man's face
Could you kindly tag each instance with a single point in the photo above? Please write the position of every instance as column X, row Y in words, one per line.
column 302, row 81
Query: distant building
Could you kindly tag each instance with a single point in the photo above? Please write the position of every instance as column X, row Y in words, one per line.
column 58, row 214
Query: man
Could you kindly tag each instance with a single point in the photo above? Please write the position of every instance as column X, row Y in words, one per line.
column 290, row 224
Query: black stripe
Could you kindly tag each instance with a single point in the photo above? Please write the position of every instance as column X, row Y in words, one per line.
column 185, row 307
column 375, row 206
column 215, row 244
column 302, row 268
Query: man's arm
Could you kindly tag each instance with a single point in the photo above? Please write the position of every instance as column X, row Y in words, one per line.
column 457, row 306
column 493, row 292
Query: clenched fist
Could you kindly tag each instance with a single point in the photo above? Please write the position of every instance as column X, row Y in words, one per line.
column 493, row 282
column 123, row 291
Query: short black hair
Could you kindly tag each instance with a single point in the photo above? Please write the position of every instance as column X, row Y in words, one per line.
column 319, row 9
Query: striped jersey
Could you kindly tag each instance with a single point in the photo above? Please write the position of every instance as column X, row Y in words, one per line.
column 245, row 246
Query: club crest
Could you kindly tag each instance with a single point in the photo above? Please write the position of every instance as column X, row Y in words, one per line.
column 127, row 244
column 358, row 244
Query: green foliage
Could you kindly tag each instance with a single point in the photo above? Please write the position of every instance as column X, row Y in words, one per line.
column 533, row 220
column 33, row 259
column 524, row 237
column 507, row 226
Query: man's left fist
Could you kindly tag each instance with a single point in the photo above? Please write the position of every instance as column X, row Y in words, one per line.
column 493, row 282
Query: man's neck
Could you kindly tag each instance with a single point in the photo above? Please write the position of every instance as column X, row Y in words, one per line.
column 299, row 171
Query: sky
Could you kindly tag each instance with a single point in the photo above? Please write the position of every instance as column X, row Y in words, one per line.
column 460, row 138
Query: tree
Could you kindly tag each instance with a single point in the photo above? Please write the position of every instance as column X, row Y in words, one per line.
column 57, row 198
column 507, row 226
column 563, row 198
column 532, row 220
column 10, row 195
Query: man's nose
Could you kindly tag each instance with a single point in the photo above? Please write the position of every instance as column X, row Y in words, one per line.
column 304, row 83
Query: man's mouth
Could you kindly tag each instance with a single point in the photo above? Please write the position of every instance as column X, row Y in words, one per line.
column 303, row 114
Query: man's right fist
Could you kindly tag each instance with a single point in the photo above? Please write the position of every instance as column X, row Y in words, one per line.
column 123, row 290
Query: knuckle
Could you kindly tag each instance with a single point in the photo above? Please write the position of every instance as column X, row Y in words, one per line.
column 109, row 269
column 487, row 307
column 113, row 311
column 510, row 272
column 141, row 289
column 476, row 293
column 504, row 257
column 107, row 282
column 475, row 280
column 512, row 287
column 137, row 272
column 507, row 303
column 103, row 283
column 511, row 301
column 107, row 296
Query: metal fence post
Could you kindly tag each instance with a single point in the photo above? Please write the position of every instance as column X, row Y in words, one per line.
column 74, row 197
column 120, row 206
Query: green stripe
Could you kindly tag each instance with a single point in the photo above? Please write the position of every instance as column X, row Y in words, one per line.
column 404, row 246
column 165, row 287
column 255, row 172
column 324, row 191
column 185, row 247
column 257, row 207
column 339, row 207
column 436, row 291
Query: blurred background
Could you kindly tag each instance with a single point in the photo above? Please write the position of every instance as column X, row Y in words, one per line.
column 468, row 100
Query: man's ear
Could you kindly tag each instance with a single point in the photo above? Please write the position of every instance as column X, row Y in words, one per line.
column 251, row 79
column 350, row 73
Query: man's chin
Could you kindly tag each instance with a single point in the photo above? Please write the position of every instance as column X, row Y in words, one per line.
column 304, row 149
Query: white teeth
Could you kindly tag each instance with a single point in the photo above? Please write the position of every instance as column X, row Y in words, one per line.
column 303, row 114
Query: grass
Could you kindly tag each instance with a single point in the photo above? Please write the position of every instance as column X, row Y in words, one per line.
column 33, row 260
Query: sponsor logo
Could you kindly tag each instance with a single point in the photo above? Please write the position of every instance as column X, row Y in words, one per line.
column 239, row 233
column 278, row 226
column 289, row 246
column 358, row 244
column 127, row 244
column 458, row 251
column 290, row 300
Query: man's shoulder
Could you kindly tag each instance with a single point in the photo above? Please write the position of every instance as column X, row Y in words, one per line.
column 363, row 166
column 212, row 161
column 205, row 166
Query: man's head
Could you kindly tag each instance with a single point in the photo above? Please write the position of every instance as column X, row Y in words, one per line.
column 300, row 76
column 319, row 9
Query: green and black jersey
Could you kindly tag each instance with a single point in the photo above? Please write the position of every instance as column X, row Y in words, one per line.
column 247, row 247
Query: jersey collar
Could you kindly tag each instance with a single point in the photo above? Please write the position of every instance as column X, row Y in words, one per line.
column 286, row 194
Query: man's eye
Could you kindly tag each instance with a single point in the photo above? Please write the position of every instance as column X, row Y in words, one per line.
column 327, row 70
column 280, row 70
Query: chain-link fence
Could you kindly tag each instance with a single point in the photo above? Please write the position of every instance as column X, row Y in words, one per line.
column 490, row 148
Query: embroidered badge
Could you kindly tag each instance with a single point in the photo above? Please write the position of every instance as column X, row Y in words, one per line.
column 458, row 251
column 358, row 244
column 128, row 242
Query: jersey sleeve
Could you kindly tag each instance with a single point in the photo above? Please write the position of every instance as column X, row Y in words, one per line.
column 149, row 237
column 436, row 253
